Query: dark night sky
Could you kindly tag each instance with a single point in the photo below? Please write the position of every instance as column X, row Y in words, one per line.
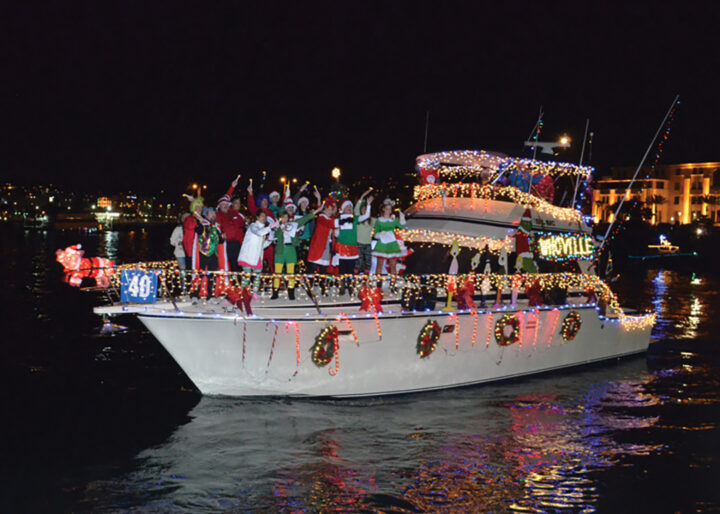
column 153, row 94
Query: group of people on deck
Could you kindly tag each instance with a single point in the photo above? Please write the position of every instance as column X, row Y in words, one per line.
column 277, row 232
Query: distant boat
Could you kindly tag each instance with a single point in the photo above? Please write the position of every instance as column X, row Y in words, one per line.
column 662, row 251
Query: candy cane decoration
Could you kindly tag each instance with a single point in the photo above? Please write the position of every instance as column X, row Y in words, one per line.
column 244, row 338
column 352, row 330
column 457, row 331
column 297, row 340
column 377, row 321
column 552, row 332
column 537, row 325
column 272, row 346
column 490, row 327
column 336, row 347
column 475, row 323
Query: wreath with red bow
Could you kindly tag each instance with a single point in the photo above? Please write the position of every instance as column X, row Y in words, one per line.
column 507, row 330
column 323, row 350
column 428, row 338
column 571, row 326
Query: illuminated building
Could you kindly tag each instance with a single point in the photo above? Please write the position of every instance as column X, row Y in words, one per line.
column 680, row 193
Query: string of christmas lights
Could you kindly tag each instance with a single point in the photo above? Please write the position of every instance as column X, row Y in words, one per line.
column 181, row 283
column 423, row 193
column 468, row 163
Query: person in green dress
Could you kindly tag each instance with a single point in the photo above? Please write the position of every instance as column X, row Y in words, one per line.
column 387, row 246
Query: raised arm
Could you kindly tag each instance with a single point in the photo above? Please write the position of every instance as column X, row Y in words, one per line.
column 251, row 201
column 305, row 219
column 299, row 193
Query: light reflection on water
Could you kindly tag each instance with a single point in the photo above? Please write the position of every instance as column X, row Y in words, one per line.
column 590, row 440
column 531, row 446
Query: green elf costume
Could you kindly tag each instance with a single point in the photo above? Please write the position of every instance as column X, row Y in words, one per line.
column 387, row 246
column 286, row 249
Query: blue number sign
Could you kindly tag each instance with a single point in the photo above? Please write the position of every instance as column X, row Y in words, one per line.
column 137, row 286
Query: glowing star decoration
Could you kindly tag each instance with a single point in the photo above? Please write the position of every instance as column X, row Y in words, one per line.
column 562, row 247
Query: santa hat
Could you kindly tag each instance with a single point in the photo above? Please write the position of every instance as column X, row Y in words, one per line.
column 526, row 222
column 224, row 199
column 303, row 199
column 274, row 194
column 289, row 203
column 345, row 204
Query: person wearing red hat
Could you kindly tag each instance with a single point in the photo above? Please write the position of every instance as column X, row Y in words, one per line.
column 232, row 224
column 523, row 245
column 319, row 254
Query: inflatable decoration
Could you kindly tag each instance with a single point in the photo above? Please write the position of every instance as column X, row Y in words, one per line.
column 78, row 267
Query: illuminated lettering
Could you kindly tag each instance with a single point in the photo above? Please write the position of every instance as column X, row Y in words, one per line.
column 564, row 246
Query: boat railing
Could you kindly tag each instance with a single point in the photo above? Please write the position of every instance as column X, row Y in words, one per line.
column 174, row 282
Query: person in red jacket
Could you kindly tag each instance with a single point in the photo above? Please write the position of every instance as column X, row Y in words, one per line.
column 319, row 254
column 264, row 206
column 232, row 224
column 196, row 205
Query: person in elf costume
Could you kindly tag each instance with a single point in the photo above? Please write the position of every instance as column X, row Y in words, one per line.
column 387, row 247
column 346, row 244
column 275, row 206
column 286, row 245
column 304, row 233
column 523, row 245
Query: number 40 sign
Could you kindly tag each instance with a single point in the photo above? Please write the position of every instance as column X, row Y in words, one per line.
column 138, row 286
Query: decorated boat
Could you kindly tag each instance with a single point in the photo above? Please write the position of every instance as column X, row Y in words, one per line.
column 497, row 282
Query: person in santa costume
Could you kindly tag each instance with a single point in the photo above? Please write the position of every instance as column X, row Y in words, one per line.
column 387, row 247
column 319, row 253
column 251, row 252
column 286, row 245
column 523, row 235
column 263, row 204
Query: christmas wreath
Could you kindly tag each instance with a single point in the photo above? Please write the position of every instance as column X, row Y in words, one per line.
column 571, row 326
column 507, row 330
column 324, row 348
column 428, row 338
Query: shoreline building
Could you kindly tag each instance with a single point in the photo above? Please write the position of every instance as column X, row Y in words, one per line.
column 675, row 193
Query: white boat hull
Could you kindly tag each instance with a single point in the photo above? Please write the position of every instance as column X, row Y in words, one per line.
column 231, row 355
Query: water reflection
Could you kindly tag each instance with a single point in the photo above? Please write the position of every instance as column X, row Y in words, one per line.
column 531, row 446
column 610, row 438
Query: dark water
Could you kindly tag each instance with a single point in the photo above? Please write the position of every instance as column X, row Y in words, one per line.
column 110, row 424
